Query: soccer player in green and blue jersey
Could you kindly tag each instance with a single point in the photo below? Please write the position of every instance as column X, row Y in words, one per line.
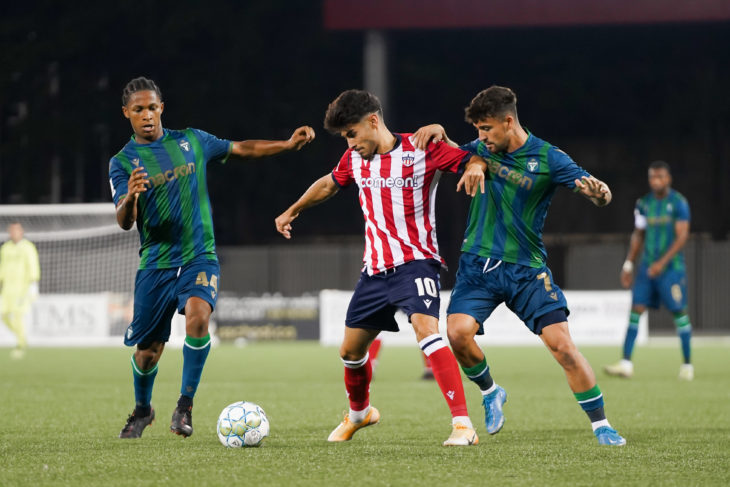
column 503, row 257
column 661, row 229
column 158, row 180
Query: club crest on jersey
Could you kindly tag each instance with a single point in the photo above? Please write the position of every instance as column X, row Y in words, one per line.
column 532, row 164
column 185, row 145
column 408, row 159
column 135, row 161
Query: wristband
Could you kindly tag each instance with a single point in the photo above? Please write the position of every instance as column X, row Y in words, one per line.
column 628, row 266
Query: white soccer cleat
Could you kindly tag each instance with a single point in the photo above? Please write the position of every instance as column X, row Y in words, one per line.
column 462, row 435
column 622, row 368
column 686, row 372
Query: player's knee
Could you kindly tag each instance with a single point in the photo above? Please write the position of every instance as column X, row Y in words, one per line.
column 458, row 339
column 351, row 355
column 196, row 324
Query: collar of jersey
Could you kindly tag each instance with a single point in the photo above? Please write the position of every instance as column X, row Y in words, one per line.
column 165, row 133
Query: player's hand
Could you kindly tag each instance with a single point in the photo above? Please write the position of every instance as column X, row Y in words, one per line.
column 655, row 269
column 424, row 135
column 472, row 179
column 301, row 136
column 137, row 182
column 283, row 224
column 593, row 189
column 627, row 278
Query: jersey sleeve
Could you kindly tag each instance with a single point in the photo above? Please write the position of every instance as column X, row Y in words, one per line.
column 118, row 178
column 342, row 173
column 34, row 268
column 640, row 220
column 447, row 158
column 472, row 146
column 681, row 209
column 215, row 149
column 563, row 170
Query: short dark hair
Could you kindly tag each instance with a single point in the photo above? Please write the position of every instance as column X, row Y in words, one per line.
column 139, row 84
column 349, row 108
column 660, row 165
column 494, row 102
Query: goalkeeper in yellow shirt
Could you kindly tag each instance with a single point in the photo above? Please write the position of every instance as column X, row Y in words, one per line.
column 19, row 275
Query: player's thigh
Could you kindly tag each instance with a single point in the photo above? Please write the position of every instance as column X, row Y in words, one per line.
column 154, row 306
column 672, row 290
column 370, row 306
column 476, row 293
column 200, row 280
column 533, row 294
column 643, row 292
column 415, row 288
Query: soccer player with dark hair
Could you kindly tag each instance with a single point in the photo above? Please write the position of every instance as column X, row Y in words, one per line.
column 397, row 187
column 661, row 229
column 158, row 180
column 503, row 257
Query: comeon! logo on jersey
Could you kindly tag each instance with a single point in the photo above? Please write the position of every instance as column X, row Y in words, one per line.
column 171, row 174
column 390, row 182
column 514, row 177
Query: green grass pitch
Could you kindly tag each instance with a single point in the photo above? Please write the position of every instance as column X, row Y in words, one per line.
column 62, row 409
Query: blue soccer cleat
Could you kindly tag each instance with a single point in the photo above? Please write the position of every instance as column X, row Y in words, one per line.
column 609, row 436
column 493, row 416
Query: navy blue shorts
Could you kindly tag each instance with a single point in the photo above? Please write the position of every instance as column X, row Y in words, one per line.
column 529, row 292
column 158, row 293
column 413, row 287
column 669, row 288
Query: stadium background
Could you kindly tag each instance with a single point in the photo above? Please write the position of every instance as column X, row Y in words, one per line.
column 615, row 92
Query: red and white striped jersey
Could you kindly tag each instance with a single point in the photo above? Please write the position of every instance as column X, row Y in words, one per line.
column 397, row 192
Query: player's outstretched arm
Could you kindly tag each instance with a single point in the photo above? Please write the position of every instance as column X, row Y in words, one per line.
column 594, row 189
column 473, row 177
column 262, row 148
column 434, row 132
column 127, row 207
column 321, row 190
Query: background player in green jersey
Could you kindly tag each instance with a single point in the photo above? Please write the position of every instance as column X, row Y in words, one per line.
column 20, row 272
column 158, row 180
column 661, row 229
column 503, row 257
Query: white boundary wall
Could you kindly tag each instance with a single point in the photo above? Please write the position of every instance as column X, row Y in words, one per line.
column 76, row 320
column 596, row 318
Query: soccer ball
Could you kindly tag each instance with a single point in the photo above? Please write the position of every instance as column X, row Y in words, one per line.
column 242, row 424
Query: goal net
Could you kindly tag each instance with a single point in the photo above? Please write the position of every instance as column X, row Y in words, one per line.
column 88, row 265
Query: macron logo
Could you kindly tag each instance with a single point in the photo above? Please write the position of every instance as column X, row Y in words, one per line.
column 451, row 395
column 427, row 302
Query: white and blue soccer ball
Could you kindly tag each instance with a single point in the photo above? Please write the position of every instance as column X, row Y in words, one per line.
column 242, row 424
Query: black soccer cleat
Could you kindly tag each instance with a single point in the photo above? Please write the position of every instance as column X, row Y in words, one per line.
column 182, row 421
column 136, row 425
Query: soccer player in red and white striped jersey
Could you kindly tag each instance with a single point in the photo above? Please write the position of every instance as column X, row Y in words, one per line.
column 397, row 186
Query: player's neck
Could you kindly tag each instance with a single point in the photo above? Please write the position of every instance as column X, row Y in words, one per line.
column 660, row 195
column 386, row 142
column 518, row 139
column 149, row 139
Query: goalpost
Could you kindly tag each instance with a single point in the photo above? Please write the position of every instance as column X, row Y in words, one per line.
column 88, row 264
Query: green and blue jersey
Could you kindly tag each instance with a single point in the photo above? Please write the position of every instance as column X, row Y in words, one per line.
column 506, row 221
column 174, row 217
column 657, row 217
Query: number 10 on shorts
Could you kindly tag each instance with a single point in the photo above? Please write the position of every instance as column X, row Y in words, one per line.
column 425, row 286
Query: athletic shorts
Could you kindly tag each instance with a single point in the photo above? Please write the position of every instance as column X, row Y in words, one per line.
column 413, row 287
column 158, row 293
column 669, row 289
column 482, row 284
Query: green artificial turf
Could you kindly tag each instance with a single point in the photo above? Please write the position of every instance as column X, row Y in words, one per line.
column 61, row 411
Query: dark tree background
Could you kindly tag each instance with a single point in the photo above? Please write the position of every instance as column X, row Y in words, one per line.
column 614, row 97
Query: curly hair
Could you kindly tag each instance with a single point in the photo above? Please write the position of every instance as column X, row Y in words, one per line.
column 139, row 84
column 660, row 165
column 494, row 102
column 349, row 108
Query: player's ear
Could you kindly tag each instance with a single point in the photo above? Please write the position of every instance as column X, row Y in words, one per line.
column 125, row 111
column 374, row 120
column 162, row 107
